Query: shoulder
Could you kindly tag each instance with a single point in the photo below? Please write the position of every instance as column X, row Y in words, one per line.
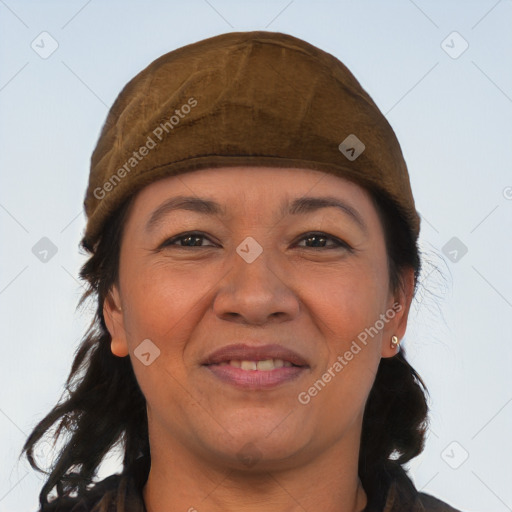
column 432, row 504
column 403, row 494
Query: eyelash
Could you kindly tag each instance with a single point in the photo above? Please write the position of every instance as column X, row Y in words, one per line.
column 340, row 244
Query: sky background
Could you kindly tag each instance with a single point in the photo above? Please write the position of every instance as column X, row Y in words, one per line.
column 439, row 70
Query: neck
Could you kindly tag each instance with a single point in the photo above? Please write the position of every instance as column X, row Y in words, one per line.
column 180, row 481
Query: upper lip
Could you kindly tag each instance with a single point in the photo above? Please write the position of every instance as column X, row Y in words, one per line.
column 241, row 352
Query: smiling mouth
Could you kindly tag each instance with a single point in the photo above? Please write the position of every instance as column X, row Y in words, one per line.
column 255, row 375
column 262, row 365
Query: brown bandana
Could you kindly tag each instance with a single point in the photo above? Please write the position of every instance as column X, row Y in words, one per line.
column 243, row 99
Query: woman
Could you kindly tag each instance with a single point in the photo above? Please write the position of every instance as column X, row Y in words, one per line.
column 253, row 254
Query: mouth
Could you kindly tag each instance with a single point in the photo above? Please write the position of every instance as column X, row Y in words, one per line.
column 255, row 353
column 260, row 365
column 253, row 367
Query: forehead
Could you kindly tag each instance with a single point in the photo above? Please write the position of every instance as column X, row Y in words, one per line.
column 251, row 186
column 253, row 195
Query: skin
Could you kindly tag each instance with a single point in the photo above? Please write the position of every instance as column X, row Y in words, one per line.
column 192, row 300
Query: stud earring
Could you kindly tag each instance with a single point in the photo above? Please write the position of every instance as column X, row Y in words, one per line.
column 394, row 342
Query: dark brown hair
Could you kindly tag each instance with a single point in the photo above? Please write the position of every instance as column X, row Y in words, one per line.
column 104, row 405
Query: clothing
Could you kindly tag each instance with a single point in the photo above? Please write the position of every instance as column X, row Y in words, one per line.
column 398, row 495
column 244, row 99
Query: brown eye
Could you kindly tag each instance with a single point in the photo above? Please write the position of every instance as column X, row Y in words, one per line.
column 319, row 239
column 191, row 239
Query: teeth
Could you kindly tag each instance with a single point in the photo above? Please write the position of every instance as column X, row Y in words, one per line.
column 248, row 365
column 267, row 364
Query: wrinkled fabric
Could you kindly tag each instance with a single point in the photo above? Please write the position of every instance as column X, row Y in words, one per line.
column 123, row 493
column 243, row 99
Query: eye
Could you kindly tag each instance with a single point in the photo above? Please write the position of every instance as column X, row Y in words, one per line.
column 190, row 240
column 194, row 238
column 318, row 237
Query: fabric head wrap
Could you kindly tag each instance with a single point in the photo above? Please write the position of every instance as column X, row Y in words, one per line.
column 243, row 99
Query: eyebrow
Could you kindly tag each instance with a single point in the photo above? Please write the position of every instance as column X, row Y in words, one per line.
column 299, row 206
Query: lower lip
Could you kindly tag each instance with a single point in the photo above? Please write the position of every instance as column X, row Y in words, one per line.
column 255, row 379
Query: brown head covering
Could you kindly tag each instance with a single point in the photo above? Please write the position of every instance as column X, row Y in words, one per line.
column 243, row 99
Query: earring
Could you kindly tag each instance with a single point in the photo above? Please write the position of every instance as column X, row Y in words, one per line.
column 394, row 342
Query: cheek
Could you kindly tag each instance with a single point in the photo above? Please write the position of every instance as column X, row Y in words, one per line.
column 163, row 305
column 347, row 301
column 161, row 300
column 347, row 304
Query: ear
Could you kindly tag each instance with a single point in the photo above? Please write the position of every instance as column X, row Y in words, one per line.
column 400, row 304
column 114, row 320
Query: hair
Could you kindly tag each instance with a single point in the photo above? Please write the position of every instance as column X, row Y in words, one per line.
column 395, row 419
column 105, row 407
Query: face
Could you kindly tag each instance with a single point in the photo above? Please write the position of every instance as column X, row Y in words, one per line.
column 312, row 280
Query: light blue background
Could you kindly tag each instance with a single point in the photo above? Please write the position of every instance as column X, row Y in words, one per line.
column 452, row 116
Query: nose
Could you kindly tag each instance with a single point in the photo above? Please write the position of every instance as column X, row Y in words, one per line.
column 256, row 292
